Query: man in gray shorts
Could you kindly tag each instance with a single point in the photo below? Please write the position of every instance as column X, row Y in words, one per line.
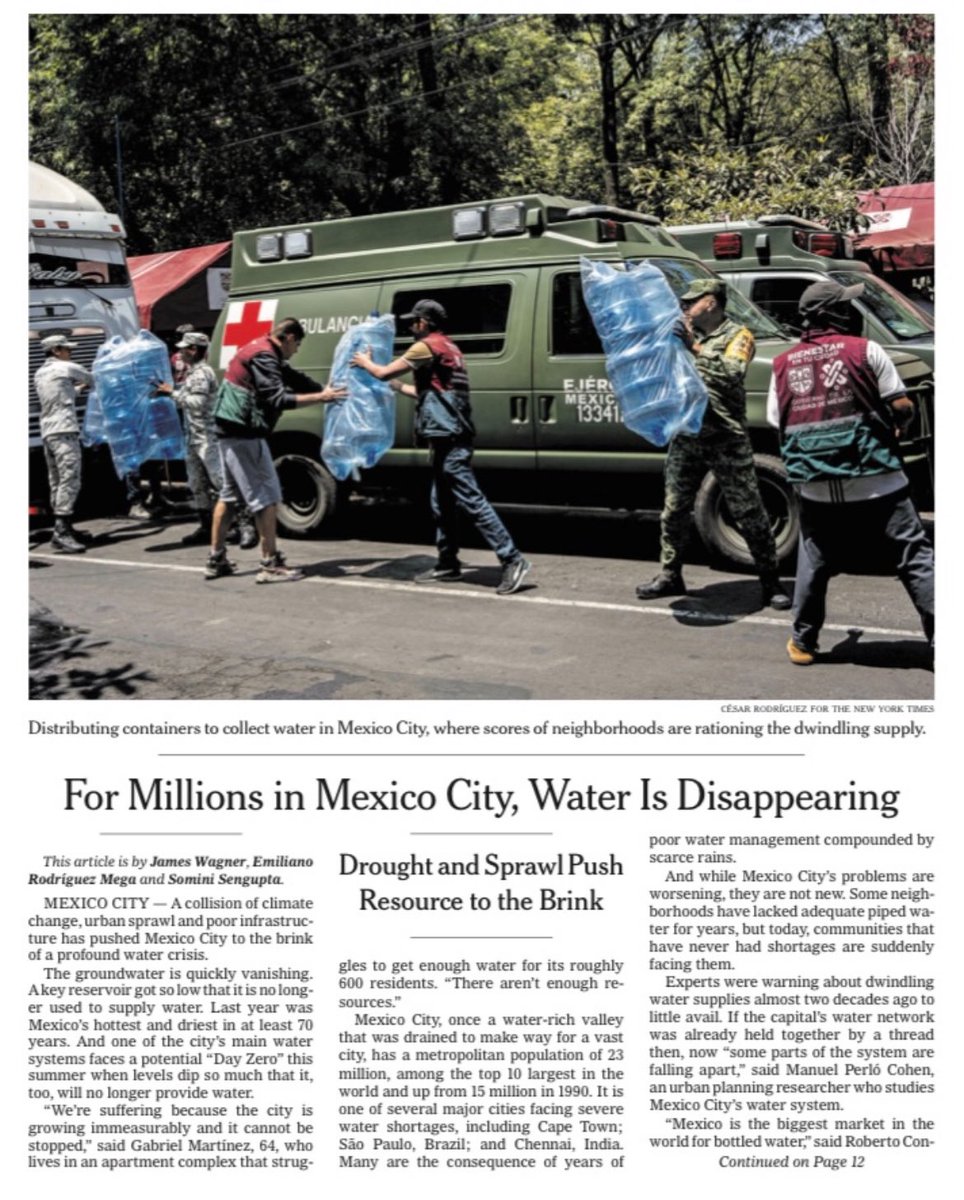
column 257, row 387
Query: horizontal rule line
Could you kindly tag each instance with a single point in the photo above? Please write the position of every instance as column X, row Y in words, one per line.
column 478, row 754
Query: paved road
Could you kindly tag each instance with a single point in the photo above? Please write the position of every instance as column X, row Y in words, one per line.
column 134, row 617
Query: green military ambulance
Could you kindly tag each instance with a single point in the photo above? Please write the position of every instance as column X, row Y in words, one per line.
column 772, row 260
column 548, row 426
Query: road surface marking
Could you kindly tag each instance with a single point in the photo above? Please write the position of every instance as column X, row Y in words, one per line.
column 640, row 608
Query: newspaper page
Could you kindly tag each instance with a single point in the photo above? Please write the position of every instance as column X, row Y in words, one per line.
column 513, row 946
column 417, row 946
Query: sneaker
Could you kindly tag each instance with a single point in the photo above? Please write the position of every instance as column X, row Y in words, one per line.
column 140, row 512
column 217, row 565
column 441, row 573
column 276, row 570
column 772, row 594
column 799, row 656
column 666, row 583
column 513, row 574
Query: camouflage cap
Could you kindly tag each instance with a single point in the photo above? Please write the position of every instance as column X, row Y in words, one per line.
column 825, row 293
column 705, row 287
column 55, row 341
column 193, row 339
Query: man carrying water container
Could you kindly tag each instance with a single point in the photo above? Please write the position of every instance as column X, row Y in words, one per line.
column 443, row 421
column 723, row 350
column 257, row 387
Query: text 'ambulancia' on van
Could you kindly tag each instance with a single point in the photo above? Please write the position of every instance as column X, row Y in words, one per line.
column 549, row 430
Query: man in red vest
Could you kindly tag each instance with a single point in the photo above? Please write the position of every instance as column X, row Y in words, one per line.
column 443, row 421
column 840, row 407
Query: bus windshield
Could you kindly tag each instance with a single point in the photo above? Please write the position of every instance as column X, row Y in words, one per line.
column 77, row 263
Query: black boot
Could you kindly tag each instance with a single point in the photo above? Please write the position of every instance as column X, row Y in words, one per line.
column 666, row 583
column 772, row 594
column 200, row 536
column 248, row 531
column 63, row 538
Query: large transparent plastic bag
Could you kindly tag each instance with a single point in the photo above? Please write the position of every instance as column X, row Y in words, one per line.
column 652, row 373
column 136, row 423
column 361, row 427
column 93, row 432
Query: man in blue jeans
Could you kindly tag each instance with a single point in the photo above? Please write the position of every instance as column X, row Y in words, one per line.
column 840, row 407
column 443, row 420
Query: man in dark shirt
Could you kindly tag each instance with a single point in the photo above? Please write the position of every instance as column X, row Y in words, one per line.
column 443, row 421
column 257, row 387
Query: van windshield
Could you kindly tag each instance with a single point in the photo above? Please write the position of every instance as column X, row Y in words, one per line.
column 904, row 321
column 680, row 273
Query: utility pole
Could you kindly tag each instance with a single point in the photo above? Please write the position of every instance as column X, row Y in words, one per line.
column 120, row 170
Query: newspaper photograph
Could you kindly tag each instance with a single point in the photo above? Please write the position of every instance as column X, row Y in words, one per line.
column 580, row 813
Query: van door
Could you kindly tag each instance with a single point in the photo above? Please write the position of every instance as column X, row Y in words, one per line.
column 579, row 426
column 490, row 319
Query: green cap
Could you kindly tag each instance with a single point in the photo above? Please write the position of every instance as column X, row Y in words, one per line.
column 705, row 287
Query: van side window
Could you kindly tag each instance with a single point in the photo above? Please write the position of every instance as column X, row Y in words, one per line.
column 478, row 315
column 572, row 329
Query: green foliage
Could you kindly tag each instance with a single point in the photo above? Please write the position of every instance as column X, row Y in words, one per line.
column 721, row 183
column 235, row 121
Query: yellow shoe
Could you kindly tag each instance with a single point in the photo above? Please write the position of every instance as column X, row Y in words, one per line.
column 798, row 656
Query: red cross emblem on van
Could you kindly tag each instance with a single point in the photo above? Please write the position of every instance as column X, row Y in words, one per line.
column 245, row 321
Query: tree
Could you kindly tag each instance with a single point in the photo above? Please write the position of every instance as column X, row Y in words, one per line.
column 236, row 121
column 728, row 184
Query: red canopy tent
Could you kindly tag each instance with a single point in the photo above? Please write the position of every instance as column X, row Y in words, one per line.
column 172, row 288
column 901, row 233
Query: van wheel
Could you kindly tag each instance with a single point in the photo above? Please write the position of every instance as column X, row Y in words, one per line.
column 308, row 494
column 721, row 536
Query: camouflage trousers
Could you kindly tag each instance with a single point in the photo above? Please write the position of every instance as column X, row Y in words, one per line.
column 62, row 452
column 203, row 464
column 730, row 458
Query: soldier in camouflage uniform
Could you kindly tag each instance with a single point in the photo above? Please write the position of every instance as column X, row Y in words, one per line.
column 723, row 349
column 195, row 396
column 57, row 382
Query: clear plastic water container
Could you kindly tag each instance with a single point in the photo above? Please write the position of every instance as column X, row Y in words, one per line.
column 137, row 423
column 652, row 373
column 361, row 427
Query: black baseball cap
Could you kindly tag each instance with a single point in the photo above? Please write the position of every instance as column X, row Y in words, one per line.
column 431, row 310
column 825, row 293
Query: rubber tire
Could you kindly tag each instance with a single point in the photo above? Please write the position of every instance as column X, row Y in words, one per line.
column 721, row 537
column 309, row 494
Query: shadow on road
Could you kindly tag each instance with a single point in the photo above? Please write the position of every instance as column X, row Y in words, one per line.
column 718, row 603
column 55, row 652
column 901, row 655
